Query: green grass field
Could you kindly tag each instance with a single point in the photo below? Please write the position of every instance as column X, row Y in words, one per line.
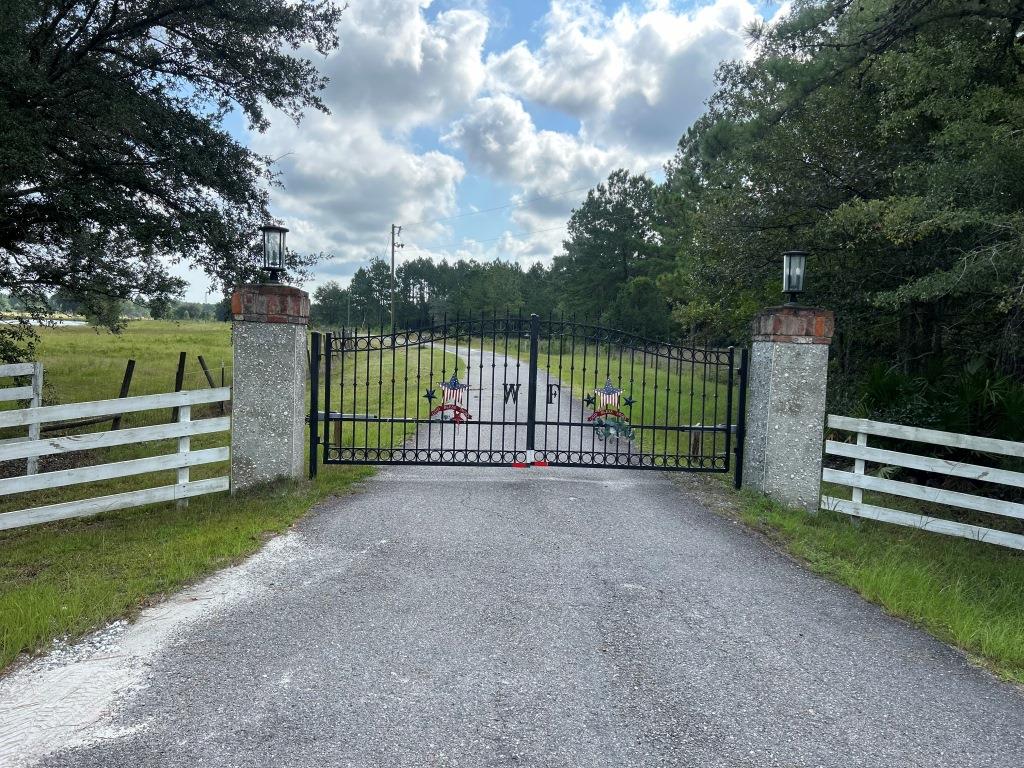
column 63, row 579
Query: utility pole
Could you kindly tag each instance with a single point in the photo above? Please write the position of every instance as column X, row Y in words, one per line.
column 395, row 232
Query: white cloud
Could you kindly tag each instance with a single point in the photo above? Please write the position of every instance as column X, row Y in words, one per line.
column 634, row 78
column 401, row 70
column 405, row 75
column 348, row 175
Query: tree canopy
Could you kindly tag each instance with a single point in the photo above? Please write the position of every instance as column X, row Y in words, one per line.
column 883, row 136
column 114, row 159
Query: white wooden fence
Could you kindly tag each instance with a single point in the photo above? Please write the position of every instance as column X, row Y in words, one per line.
column 33, row 393
column 184, row 428
column 859, row 482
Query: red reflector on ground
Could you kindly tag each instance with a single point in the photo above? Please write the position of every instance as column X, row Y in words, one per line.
column 540, row 464
column 520, row 465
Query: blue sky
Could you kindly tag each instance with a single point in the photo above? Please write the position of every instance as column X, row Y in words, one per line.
column 443, row 109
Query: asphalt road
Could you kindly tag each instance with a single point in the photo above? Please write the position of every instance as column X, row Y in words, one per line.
column 540, row 617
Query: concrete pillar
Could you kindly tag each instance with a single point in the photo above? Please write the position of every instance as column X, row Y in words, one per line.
column 786, row 404
column 268, row 398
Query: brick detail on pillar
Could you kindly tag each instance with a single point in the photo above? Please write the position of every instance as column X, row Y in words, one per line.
column 270, row 304
column 786, row 404
column 795, row 325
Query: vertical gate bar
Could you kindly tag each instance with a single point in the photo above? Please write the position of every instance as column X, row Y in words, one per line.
column 405, row 395
column 547, row 381
column 597, row 373
column 668, row 403
column 629, row 443
column 469, row 377
column 608, row 375
column 535, row 330
column 504, row 383
column 394, row 409
column 531, row 399
column 741, row 419
column 455, row 372
column 572, row 387
column 314, row 402
column 519, row 365
column 419, row 378
column 728, row 409
column 680, row 373
column 643, row 402
column 561, row 384
column 444, row 377
column 621, row 407
column 480, row 387
column 654, row 409
column 494, row 364
column 583, row 385
column 341, row 392
column 430, row 385
column 714, row 421
column 366, row 413
column 703, row 405
column 693, row 394
column 380, row 392
column 329, row 351
column 355, row 389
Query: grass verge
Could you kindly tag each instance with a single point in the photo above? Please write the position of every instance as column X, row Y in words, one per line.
column 65, row 579
column 968, row 594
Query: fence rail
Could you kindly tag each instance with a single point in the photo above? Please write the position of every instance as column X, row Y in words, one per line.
column 183, row 429
column 858, row 481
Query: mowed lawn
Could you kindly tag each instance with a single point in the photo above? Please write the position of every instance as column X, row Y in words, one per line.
column 64, row 579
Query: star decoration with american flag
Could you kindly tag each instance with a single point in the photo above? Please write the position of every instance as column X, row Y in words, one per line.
column 451, row 407
column 608, row 420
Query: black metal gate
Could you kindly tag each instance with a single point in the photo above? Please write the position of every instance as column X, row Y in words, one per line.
column 524, row 391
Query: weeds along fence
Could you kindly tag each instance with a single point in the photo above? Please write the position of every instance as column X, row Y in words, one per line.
column 182, row 428
column 859, row 481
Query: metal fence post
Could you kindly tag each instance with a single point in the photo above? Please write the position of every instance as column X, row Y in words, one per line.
column 314, row 404
column 741, row 418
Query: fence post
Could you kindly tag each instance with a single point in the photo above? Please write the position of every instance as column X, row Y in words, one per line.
column 126, row 384
column 858, row 467
column 786, row 404
column 268, row 403
column 179, row 381
column 32, row 462
column 184, row 446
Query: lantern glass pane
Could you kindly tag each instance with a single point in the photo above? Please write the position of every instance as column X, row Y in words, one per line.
column 793, row 272
column 273, row 248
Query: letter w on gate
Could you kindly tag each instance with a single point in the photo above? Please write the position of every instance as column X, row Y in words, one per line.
column 512, row 392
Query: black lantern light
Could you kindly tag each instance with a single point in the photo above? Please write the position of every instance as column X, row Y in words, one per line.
column 273, row 251
column 794, row 264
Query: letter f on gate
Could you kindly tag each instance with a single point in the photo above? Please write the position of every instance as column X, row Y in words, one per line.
column 512, row 391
